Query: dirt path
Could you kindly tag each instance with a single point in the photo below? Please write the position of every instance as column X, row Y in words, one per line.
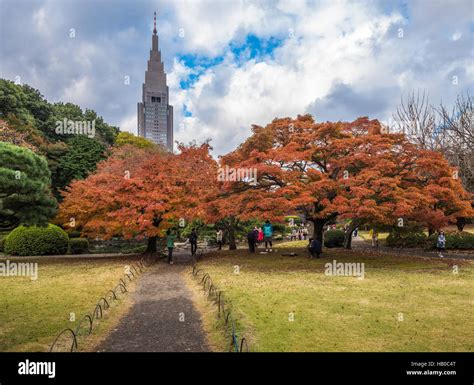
column 163, row 317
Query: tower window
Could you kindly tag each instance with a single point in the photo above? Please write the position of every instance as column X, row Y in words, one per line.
column 156, row 99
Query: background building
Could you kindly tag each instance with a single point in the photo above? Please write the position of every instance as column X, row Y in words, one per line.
column 155, row 115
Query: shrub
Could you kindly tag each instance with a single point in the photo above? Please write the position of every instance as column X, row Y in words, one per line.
column 78, row 245
column 334, row 238
column 133, row 249
column 74, row 234
column 35, row 240
column 455, row 240
column 3, row 236
column 406, row 239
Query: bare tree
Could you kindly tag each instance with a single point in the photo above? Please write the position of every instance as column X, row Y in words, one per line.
column 438, row 129
column 416, row 118
column 458, row 125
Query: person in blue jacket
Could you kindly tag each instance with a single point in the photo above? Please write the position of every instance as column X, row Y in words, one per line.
column 267, row 235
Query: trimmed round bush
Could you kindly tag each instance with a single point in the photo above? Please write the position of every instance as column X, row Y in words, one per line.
column 79, row 245
column 34, row 240
column 406, row 239
column 334, row 238
column 456, row 240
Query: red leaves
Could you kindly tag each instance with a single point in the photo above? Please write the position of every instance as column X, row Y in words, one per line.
column 346, row 169
column 135, row 191
column 349, row 169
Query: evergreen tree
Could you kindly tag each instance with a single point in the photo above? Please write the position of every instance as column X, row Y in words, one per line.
column 25, row 195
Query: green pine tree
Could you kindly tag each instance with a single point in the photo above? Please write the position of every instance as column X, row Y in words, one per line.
column 25, row 195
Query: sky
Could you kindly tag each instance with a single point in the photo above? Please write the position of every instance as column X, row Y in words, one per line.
column 234, row 63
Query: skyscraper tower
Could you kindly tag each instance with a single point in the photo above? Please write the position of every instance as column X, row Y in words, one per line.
column 155, row 115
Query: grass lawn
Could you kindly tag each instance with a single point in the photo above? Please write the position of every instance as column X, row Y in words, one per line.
column 402, row 304
column 33, row 312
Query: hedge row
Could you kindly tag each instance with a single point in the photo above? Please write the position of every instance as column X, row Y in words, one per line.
column 455, row 240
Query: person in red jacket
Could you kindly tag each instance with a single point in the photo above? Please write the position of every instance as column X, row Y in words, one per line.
column 260, row 235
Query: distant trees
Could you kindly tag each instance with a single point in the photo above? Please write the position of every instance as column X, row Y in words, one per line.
column 27, row 117
column 124, row 138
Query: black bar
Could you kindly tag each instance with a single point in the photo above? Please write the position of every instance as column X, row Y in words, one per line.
column 312, row 368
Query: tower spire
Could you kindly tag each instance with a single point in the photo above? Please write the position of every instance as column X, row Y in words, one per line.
column 154, row 23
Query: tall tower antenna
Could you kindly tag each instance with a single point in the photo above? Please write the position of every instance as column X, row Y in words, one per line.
column 154, row 20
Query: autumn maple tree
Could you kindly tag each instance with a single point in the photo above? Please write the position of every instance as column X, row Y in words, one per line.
column 139, row 192
column 348, row 170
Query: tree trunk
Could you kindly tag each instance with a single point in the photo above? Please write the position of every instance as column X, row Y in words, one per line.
column 460, row 223
column 231, row 234
column 151, row 246
column 431, row 231
column 348, row 235
column 318, row 229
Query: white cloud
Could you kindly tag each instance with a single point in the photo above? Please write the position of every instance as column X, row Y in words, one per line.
column 345, row 58
column 129, row 124
column 456, row 36
column 304, row 69
column 80, row 91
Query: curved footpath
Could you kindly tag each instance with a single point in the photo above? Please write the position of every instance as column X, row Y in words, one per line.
column 163, row 317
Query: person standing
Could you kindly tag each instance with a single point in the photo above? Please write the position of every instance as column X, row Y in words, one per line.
column 293, row 235
column 315, row 248
column 193, row 241
column 252, row 237
column 170, row 237
column 260, row 235
column 267, row 235
column 375, row 238
column 305, row 232
column 219, row 236
column 441, row 244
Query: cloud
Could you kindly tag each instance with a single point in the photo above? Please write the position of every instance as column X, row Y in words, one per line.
column 346, row 103
column 240, row 62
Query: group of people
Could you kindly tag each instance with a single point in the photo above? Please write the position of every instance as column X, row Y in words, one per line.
column 299, row 234
column 258, row 235
column 171, row 237
column 261, row 234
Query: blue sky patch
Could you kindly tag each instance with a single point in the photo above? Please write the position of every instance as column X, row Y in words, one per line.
column 186, row 112
column 255, row 48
